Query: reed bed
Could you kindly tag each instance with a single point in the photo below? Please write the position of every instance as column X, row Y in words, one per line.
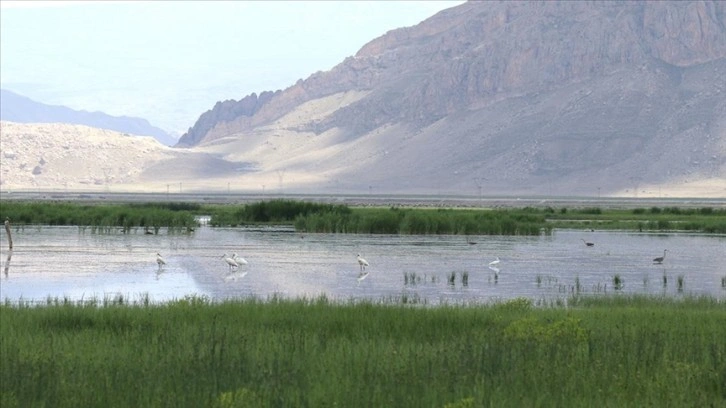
column 103, row 218
column 273, row 211
column 426, row 221
column 329, row 218
column 609, row 351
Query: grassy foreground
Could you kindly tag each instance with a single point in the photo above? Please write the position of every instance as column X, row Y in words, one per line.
column 617, row 352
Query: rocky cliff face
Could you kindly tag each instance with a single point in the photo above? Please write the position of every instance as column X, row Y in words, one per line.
column 535, row 96
column 224, row 112
column 481, row 52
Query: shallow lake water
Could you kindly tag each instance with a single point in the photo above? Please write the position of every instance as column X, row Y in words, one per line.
column 72, row 263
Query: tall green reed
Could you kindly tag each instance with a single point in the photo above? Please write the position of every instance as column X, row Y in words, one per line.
column 622, row 350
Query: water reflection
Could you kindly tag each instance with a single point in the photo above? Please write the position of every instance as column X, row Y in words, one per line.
column 496, row 272
column 7, row 263
column 362, row 276
column 430, row 269
column 235, row 275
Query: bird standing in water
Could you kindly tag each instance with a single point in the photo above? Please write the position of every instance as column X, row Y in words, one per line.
column 230, row 261
column 160, row 260
column 239, row 259
column 659, row 260
column 363, row 263
column 363, row 274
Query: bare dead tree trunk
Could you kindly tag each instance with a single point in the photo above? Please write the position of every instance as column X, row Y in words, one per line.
column 7, row 229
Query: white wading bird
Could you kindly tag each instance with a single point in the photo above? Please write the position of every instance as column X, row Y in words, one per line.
column 160, row 260
column 494, row 262
column 239, row 259
column 363, row 263
column 230, row 261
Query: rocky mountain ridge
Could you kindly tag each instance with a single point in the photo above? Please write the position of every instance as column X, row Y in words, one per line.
column 488, row 98
column 522, row 96
column 457, row 58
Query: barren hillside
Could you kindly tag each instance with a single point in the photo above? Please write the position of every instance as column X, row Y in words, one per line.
column 75, row 157
column 507, row 97
column 497, row 98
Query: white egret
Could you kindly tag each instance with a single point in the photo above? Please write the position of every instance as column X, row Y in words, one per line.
column 230, row 261
column 659, row 260
column 494, row 262
column 239, row 259
column 587, row 243
column 362, row 262
column 160, row 260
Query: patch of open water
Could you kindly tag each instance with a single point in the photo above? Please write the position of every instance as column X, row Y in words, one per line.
column 68, row 262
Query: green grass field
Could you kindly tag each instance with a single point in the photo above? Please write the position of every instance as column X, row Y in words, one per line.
column 605, row 352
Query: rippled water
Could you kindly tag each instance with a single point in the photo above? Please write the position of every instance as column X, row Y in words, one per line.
column 66, row 262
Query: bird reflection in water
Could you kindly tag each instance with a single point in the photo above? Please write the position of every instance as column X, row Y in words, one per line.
column 362, row 276
column 235, row 275
column 363, row 273
column 496, row 273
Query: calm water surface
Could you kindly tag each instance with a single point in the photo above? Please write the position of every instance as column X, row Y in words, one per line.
column 66, row 262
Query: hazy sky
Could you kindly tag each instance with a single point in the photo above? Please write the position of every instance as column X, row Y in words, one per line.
column 169, row 61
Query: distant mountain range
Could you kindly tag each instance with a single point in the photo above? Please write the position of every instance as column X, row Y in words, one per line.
column 611, row 98
column 560, row 97
column 20, row 109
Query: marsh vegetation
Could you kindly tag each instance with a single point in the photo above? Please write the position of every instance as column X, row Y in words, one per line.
column 152, row 217
column 331, row 218
column 705, row 219
column 595, row 348
column 614, row 351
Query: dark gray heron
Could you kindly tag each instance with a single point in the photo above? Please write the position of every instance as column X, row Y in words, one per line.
column 659, row 260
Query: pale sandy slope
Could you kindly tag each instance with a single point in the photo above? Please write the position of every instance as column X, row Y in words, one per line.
column 63, row 157
column 73, row 157
column 278, row 158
